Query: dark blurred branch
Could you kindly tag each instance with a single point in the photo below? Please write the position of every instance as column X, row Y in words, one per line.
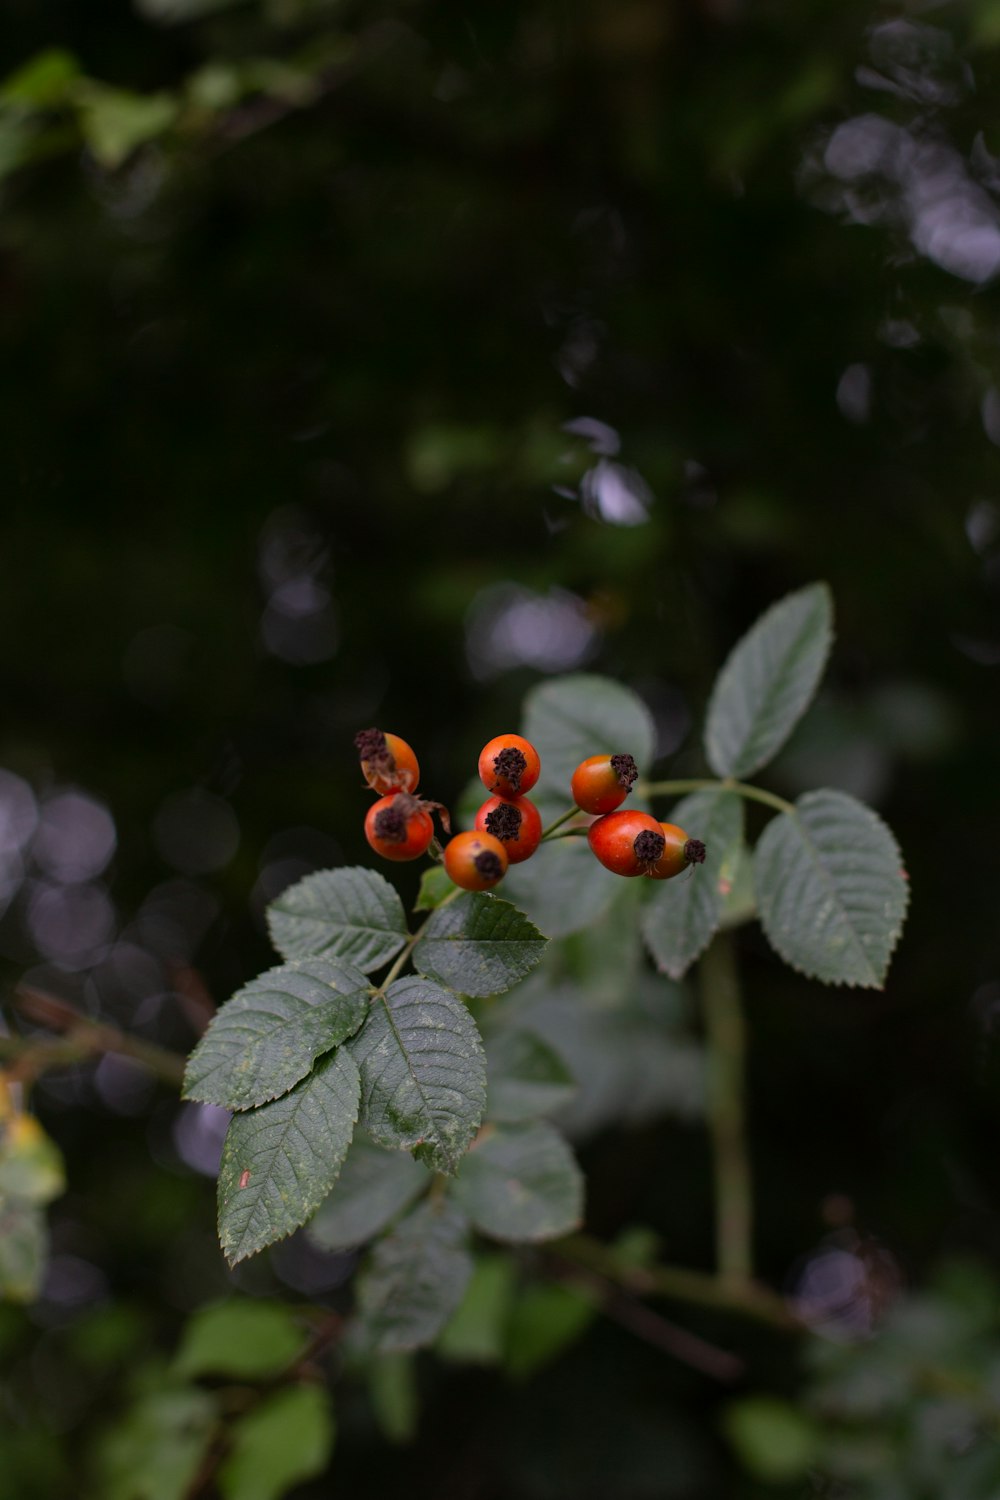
column 82, row 1039
column 623, row 1308
column 676, row 1283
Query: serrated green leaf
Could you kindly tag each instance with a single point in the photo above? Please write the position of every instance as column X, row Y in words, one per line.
column 423, row 1073
column 373, row 1187
column 521, row 1183
column 285, row 1440
column 24, row 1246
column 476, row 1332
column 416, row 1277
column 478, row 945
column 155, row 1450
column 525, row 1078
column 280, row 1161
column 681, row 915
column 435, row 885
column 241, row 1337
column 582, row 714
column 351, row 914
column 831, row 889
column 562, row 888
column 115, row 122
column 767, row 682
column 267, row 1037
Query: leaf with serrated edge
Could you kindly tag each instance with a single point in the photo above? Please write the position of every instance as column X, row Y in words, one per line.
column 373, row 1187
column 521, row 1183
column 280, row 1161
column 831, row 889
column 416, row 1277
column 581, row 715
column 423, row 1073
column 768, row 681
column 479, row 945
column 267, row 1037
column 681, row 915
column 352, row 914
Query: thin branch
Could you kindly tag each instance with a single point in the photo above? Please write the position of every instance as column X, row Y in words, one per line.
column 83, row 1040
column 623, row 1308
column 678, row 1284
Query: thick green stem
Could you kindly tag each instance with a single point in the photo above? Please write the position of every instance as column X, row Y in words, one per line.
column 726, row 1038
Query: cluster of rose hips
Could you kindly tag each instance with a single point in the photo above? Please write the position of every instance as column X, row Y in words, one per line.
column 508, row 825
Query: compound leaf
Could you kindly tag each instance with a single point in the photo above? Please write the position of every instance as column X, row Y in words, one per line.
column 479, row 945
column 373, row 1187
column 423, row 1073
column 280, row 1161
column 267, row 1037
column 351, row 914
column 521, row 1182
column 831, row 889
column 416, row 1278
column 767, row 682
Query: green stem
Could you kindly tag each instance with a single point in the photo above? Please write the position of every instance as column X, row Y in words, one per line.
column 677, row 1283
column 399, row 962
column 726, row 1039
column 564, row 818
column 706, row 784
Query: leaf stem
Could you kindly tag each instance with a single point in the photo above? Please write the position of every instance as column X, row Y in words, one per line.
column 707, row 784
column 726, row 1043
column 564, row 818
column 399, row 962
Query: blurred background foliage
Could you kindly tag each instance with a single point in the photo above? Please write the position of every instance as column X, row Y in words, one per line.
column 366, row 363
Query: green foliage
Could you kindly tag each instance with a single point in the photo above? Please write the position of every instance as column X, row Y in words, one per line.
column 31, row 1175
column 477, row 1331
column 562, row 887
column 280, row 1161
column 23, row 1247
column 768, row 682
column 774, row 1441
column 353, row 915
column 373, row 1188
column 526, row 1077
column 478, row 945
column 267, row 1037
column 156, row 1449
column 681, row 916
column 831, row 889
column 241, row 1338
column 521, row 1183
column 581, row 715
column 423, row 1073
column 283, row 1441
column 415, row 1278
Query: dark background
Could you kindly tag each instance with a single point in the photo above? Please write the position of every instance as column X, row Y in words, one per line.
column 284, row 411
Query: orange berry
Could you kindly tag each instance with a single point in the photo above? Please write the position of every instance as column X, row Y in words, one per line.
column 475, row 861
column 602, row 782
column 627, row 843
column 397, row 827
column 387, row 762
column 678, row 852
column 509, row 766
column 517, row 823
